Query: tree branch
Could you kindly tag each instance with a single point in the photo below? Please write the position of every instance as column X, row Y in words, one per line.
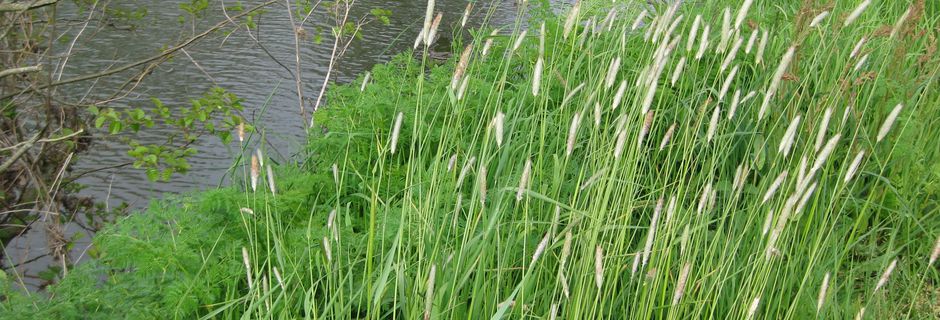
column 10, row 72
column 23, row 6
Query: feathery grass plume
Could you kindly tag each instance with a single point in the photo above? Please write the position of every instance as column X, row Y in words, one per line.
column 572, row 18
column 466, row 169
column 823, row 127
column 652, row 27
column 678, row 71
column 612, row 73
column 254, row 172
column 463, row 87
column 565, row 251
column 713, row 124
column 740, row 176
column 680, row 285
column 884, row 276
column 457, row 206
column 241, row 132
column 731, row 54
column 498, row 121
column 648, row 98
column 861, row 314
column 428, row 14
column 555, row 219
column 396, row 129
column 801, row 174
column 271, row 179
column 489, row 42
column 571, row 94
column 451, row 162
column 524, row 180
column 420, row 38
column 638, row 20
column 519, row 39
column 247, row 262
column 858, row 47
column 824, row 154
column 432, row 31
column 742, row 13
column 673, row 26
column 759, row 55
column 900, row 23
column 537, row 77
column 735, row 100
column 651, row 233
column 750, row 42
column 670, row 209
column 805, row 198
column 326, row 249
column 647, row 123
column 280, row 280
column 753, row 309
column 541, row 247
column 727, row 84
column 599, row 266
column 429, row 295
column 693, row 33
column 260, row 157
column 703, row 43
column 725, row 31
column 850, row 171
column 703, row 199
column 845, row 114
column 768, row 220
column 935, row 254
column 597, row 114
column 856, row 13
column 889, row 122
column 466, row 15
column 482, row 175
column 667, row 137
column 822, row 293
column 609, row 20
column 775, row 81
column 748, row 96
column 819, row 18
column 641, row 78
column 684, row 240
column 542, row 40
column 572, row 133
column 787, row 141
column 553, row 311
column 461, row 66
column 618, row 97
column 861, row 63
column 592, row 179
column 330, row 218
column 774, row 186
column 365, row 81
column 247, row 211
column 636, row 264
column 621, row 141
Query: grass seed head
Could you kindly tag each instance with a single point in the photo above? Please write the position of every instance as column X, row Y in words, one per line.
column 856, row 13
column 889, row 122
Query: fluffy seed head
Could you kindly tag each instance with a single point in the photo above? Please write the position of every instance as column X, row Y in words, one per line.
column 824, row 154
column 856, row 13
column 365, row 81
column 647, row 123
column 519, row 39
column 853, row 168
column 693, row 32
column 241, row 132
column 651, row 233
column 432, row 31
column 731, row 54
column 619, row 96
column 935, row 254
column 541, row 247
column 861, row 63
column 750, row 42
column 489, row 42
column 759, row 55
column 775, row 81
column 572, row 133
column 753, row 309
column 768, row 220
column 773, row 186
column 680, row 285
column 884, row 276
column 466, row 14
column 271, row 180
column 735, row 100
column 678, row 71
column 822, row 293
column 787, row 141
column 727, row 84
column 818, row 19
column 667, row 137
column 703, row 43
column 742, row 13
column 823, row 127
column 254, row 172
column 326, row 249
column 247, row 262
column 524, row 180
column 889, row 122
column 612, row 73
column 498, row 122
column 429, row 295
column 461, row 66
column 900, row 23
column 395, row 131
column 857, row 48
column 599, row 266
column 572, row 18
column 713, row 124
column 639, row 20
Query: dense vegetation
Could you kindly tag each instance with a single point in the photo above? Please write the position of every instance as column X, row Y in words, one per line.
column 608, row 164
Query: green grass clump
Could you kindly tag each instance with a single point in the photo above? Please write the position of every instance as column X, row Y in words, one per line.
column 493, row 205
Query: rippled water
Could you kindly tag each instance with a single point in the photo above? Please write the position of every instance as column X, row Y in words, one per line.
column 234, row 62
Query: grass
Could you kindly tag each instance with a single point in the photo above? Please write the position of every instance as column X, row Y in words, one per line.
column 575, row 203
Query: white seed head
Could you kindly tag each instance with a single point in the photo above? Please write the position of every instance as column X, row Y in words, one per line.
column 775, row 81
column 753, row 309
column 768, row 220
column 824, row 154
column 889, row 122
column 884, row 276
column 693, row 32
column 853, row 168
column 861, row 63
column 731, row 54
column 651, row 233
column 727, row 85
column 638, row 20
column 713, row 124
column 396, row 129
column 247, row 261
column 572, row 133
column 524, row 180
column 572, row 18
column 750, row 42
column 857, row 48
column 680, row 285
column 599, row 266
column 818, row 19
column 537, row 77
column 466, row 15
column 703, row 43
column 822, row 293
column 759, row 55
column 823, row 127
column 935, row 254
column 647, row 123
column 856, row 13
column 498, row 123
column 678, row 71
column 667, row 137
column 742, row 13
column 900, row 23
column 735, row 100
column 787, row 141
column 774, row 186
column 519, row 39
column 619, row 96
column 271, row 180
column 541, row 247
column 612, row 73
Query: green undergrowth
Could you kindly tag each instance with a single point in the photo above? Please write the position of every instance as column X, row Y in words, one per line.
column 489, row 203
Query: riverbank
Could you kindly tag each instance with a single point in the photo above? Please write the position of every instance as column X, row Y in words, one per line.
column 594, row 167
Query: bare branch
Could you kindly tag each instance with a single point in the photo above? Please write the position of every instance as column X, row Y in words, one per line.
column 10, row 72
column 23, row 6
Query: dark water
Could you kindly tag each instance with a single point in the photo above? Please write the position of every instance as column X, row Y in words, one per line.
column 234, row 62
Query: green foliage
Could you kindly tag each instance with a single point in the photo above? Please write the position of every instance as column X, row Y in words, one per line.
column 216, row 113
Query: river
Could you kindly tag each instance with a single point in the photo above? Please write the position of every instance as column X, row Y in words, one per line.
column 234, row 62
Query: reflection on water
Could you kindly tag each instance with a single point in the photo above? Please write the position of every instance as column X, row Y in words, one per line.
column 234, row 62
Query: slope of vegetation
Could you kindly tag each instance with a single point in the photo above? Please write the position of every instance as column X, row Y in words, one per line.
column 608, row 164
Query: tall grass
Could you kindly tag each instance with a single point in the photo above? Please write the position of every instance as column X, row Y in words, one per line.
column 615, row 170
